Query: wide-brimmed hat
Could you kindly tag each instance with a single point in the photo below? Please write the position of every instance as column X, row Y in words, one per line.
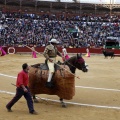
column 54, row 41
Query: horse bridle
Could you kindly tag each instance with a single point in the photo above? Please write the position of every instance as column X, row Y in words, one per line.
column 80, row 60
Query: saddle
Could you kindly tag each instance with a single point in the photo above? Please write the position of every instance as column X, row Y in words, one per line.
column 44, row 66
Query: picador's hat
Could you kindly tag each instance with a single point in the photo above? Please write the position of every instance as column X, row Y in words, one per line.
column 54, row 41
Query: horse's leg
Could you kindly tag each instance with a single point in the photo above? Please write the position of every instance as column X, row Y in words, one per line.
column 35, row 99
column 62, row 103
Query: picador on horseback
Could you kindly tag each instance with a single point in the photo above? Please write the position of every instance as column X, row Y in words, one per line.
column 50, row 53
column 60, row 77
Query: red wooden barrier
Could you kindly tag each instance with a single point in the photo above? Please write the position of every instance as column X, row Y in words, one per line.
column 69, row 50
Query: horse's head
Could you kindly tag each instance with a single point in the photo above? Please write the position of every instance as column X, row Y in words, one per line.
column 80, row 63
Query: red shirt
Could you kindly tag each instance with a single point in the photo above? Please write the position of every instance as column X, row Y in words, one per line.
column 22, row 79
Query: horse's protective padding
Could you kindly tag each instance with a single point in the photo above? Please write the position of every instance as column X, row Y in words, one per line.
column 64, row 82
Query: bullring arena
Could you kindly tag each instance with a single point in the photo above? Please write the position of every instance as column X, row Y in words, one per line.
column 24, row 22
column 97, row 95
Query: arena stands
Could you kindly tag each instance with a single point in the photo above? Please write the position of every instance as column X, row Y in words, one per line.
column 25, row 29
column 85, row 30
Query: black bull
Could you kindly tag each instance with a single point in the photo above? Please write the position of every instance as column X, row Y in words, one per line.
column 108, row 54
column 64, row 87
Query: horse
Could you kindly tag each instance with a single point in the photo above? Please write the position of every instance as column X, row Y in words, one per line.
column 63, row 79
column 108, row 53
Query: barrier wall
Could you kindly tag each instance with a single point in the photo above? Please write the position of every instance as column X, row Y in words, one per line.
column 69, row 50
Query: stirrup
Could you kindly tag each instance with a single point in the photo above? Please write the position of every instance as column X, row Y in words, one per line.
column 49, row 85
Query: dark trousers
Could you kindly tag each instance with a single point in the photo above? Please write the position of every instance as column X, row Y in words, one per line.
column 19, row 94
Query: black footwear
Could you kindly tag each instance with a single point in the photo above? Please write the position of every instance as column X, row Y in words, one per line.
column 9, row 109
column 49, row 84
column 34, row 112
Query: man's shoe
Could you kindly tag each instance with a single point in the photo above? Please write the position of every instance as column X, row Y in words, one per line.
column 9, row 109
column 34, row 112
column 49, row 84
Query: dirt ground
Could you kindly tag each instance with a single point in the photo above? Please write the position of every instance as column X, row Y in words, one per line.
column 97, row 94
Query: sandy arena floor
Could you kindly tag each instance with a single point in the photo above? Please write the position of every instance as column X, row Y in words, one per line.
column 97, row 92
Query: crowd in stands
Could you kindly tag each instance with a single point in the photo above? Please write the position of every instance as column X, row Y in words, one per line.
column 78, row 31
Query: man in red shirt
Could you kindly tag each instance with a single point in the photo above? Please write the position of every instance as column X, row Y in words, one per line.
column 22, row 90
